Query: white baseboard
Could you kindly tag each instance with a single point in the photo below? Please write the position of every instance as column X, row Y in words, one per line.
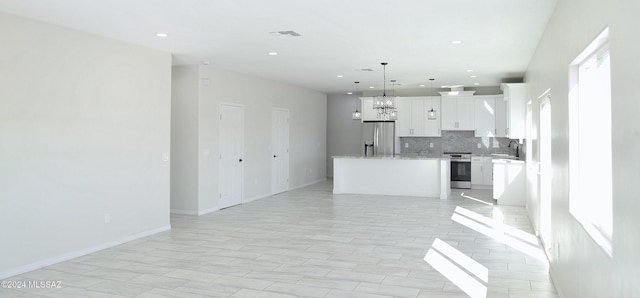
column 554, row 280
column 256, row 198
column 79, row 253
column 309, row 184
column 290, row 189
column 184, row 212
column 207, row 211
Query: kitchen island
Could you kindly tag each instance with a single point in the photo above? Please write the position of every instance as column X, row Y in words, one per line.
column 392, row 175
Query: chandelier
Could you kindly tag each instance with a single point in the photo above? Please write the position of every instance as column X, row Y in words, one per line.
column 385, row 105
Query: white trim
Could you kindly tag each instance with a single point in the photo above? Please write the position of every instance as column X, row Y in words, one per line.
column 290, row 189
column 207, row 211
column 555, row 282
column 79, row 253
column 249, row 200
column 183, row 212
column 307, row 184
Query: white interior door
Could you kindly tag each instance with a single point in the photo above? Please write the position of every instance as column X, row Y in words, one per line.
column 546, row 174
column 231, row 169
column 280, row 148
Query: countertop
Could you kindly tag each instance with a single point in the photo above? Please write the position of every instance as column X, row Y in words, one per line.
column 398, row 157
column 507, row 160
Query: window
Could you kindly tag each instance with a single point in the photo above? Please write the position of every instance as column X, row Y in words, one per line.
column 590, row 167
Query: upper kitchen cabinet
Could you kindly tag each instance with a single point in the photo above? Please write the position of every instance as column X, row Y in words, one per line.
column 458, row 110
column 501, row 117
column 485, row 115
column 432, row 127
column 368, row 112
column 413, row 117
column 515, row 109
column 410, row 117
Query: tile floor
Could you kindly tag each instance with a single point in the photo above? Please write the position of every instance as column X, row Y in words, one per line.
column 311, row 243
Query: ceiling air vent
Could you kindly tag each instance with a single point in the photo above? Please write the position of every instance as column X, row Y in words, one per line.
column 364, row 69
column 288, row 33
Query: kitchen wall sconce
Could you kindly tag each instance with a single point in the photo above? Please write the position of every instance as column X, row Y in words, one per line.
column 356, row 115
column 385, row 105
column 431, row 114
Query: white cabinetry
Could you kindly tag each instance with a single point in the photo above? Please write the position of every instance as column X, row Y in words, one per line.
column 432, row 127
column 501, row 117
column 412, row 117
column 368, row 113
column 481, row 171
column 509, row 183
column 515, row 106
column 458, row 110
column 485, row 115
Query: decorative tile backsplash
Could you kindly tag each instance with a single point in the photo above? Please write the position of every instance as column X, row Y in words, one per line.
column 456, row 141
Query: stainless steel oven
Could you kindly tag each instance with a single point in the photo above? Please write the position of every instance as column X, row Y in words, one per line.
column 460, row 169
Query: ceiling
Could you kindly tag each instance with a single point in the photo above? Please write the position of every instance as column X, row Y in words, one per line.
column 498, row 37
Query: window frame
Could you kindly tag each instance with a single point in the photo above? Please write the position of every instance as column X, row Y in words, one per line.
column 592, row 226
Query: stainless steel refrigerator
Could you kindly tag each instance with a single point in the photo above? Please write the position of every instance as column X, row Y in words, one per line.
column 378, row 138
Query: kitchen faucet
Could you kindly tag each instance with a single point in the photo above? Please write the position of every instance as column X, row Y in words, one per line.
column 517, row 146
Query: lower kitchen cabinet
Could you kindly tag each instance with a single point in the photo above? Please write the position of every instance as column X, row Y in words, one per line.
column 509, row 182
column 481, row 172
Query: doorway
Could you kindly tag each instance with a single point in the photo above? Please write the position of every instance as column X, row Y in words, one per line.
column 280, row 148
column 231, row 168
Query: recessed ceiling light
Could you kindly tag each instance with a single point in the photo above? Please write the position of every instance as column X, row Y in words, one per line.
column 473, row 76
column 421, row 85
column 163, row 35
column 349, row 93
column 205, row 62
column 456, row 41
column 469, row 70
column 340, row 76
column 476, row 84
column 273, row 54
column 371, row 87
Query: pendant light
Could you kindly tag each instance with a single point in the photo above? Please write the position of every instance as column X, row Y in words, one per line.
column 356, row 115
column 384, row 105
column 431, row 114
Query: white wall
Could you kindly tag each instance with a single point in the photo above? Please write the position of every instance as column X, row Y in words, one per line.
column 344, row 135
column 84, row 123
column 308, row 125
column 184, row 139
column 580, row 268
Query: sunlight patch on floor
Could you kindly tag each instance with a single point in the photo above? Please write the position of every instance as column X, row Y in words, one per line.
column 475, row 199
column 440, row 257
column 515, row 238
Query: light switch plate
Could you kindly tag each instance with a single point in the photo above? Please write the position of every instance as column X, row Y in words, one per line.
column 479, row 145
column 430, row 145
column 406, row 145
